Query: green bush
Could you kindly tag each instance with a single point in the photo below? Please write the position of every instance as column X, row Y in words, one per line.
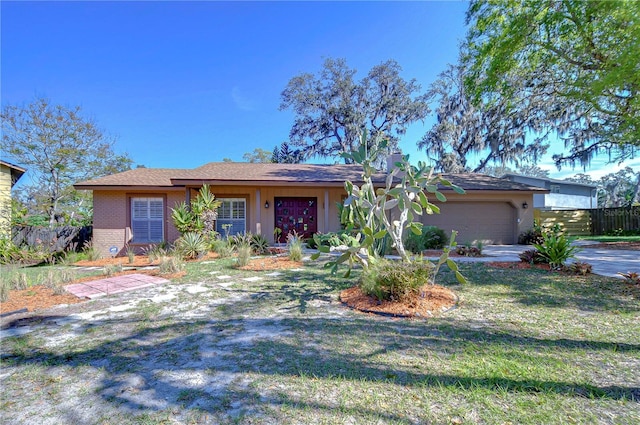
column 222, row 247
column 432, row 237
column 556, row 250
column 294, row 245
column 332, row 239
column 260, row 244
column 9, row 252
column 191, row 245
column 389, row 280
column 244, row 251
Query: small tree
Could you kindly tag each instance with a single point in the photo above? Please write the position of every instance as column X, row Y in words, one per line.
column 200, row 216
column 370, row 210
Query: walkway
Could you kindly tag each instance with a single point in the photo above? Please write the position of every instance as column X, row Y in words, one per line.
column 113, row 285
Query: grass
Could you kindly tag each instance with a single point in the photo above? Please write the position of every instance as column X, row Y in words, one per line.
column 611, row 238
column 219, row 346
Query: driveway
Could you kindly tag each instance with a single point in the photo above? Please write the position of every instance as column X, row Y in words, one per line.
column 605, row 262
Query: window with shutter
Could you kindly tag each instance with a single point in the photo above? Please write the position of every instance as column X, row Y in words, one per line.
column 231, row 216
column 147, row 220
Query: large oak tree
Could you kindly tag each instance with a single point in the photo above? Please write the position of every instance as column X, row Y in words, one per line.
column 583, row 56
column 332, row 109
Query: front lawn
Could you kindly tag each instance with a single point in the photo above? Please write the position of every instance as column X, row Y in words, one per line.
column 611, row 238
column 222, row 345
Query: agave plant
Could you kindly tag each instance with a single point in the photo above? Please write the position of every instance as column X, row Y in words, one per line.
column 191, row 245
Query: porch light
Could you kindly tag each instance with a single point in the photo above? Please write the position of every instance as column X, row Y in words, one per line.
column 525, row 205
column 266, row 204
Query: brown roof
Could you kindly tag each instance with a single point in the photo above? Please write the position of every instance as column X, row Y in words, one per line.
column 274, row 174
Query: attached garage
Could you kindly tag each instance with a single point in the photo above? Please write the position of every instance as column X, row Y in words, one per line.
column 489, row 222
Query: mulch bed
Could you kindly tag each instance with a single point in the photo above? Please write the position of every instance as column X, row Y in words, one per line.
column 271, row 263
column 631, row 246
column 433, row 301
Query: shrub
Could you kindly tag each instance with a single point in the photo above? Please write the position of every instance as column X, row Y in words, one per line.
column 111, row 269
column 294, row 245
column 260, row 244
column 244, row 251
column 92, row 252
column 131, row 254
column 531, row 236
column 432, row 237
column 531, row 256
column 470, row 251
column 9, row 252
column 155, row 252
column 631, row 277
column 581, row 268
column 191, row 245
column 222, row 247
column 5, row 286
column 395, row 281
column 170, row 265
column 332, row 239
column 56, row 279
column 556, row 250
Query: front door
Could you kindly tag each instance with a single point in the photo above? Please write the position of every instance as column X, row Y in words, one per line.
column 296, row 214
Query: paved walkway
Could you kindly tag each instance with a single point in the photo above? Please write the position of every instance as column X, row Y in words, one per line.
column 114, row 285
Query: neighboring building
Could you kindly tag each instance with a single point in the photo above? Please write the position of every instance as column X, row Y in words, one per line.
column 9, row 175
column 562, row 194
column 134, row 207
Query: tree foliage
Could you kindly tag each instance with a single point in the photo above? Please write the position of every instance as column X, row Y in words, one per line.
column 582, row 56
column 258, row 155
column 492, row 133
column 59, row 147
column 619, row 189
column 285, row 154
column 332, row 109
column 200, row 216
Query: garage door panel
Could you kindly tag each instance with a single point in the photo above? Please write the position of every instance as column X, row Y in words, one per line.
column 489, row 222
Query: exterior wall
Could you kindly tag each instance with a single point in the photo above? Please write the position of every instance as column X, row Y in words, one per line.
column 5, row 200
column 571, row 196
column 262, row 220
column 111, row 218
column 485, row 217
column 561, row 201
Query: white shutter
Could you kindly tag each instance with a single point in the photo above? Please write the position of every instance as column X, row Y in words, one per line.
column 147, row 220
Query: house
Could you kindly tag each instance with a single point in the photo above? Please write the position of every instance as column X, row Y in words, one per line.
column 9, row 175
column 561, row 195
column 134, row 207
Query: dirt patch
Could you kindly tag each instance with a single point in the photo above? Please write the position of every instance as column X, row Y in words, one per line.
column 631, row 246
column 40, row 297
column 433, row 300
column 520, row 265
column 35, row 298
column 138, row 261
column 270, row 263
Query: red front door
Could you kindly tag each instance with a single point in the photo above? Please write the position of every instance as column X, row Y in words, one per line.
column 299, row 214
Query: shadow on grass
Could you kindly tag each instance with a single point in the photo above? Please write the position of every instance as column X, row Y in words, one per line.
column 160, row 360
column 533, row 287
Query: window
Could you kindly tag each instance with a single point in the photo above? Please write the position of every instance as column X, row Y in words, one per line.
column 555, row 188
column 147, row 220
column 231, row 216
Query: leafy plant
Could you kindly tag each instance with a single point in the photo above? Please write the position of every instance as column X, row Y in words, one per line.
column 55, row 279
column 92, row 252
column 200, row 216
column 531, row 256
column 131, row 254
column 191, row 245
column 532, row 236
column 368, row 209
column 111, row 269
column 244, row 251
column 294, row 245
column 556, row 250
column 155, row 252
column 431, row 237
column 631, row 277
column 260, row 244
column 222, row 247
column 9, row 252
column 170, row 265
column 396, row 280
column 580, row 267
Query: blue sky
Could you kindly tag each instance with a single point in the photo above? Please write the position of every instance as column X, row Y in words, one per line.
column 184, row 83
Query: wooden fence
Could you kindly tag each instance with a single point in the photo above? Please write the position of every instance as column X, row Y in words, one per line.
column 55, row 239
column 589, row 222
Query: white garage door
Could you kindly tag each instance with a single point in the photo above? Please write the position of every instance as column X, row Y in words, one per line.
column 489, row 222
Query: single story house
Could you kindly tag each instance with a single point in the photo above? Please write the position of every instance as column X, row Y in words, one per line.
column 134, row 207
column 561, row 194
column 9, row 175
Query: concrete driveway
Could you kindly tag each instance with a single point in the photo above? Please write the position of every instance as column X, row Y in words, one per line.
column 605, row 262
